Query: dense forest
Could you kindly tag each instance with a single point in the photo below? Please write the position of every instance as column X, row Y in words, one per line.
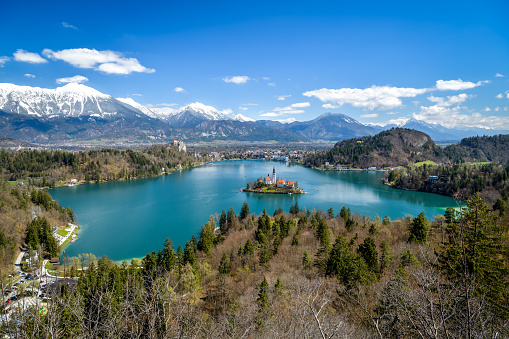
column 400, row 147
column 304, row 274
column 462, row 180
column 22, row 210
column 397, row 146
column 53, row 168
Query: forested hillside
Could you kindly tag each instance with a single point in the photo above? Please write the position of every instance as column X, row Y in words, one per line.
column 394, row 147
column 400, row 147
column 300, row 275
column 54, row 168
column 462, row 180
column 475, row 149
column 20, row 207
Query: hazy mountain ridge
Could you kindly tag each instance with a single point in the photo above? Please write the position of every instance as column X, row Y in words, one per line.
column 79, row 112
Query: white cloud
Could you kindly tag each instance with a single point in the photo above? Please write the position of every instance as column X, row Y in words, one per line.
column 372, row 115
column 487, row 109
column 452, row 117
column 381, row 97
column 76, row 79
column 251, row 104
column 137, row 94
column 450, row 101
column 392, row 113
column 506, row 108
column 292, row 109
column 3, row 60
column 300, row 104
column 66, row 25
column 24, row 56
column 238, row 79
column 273, row 84
column 283, row 97
column 498, row 75
column 330, row 106
column 500, row 96
column 507, row 95
column 265, row 78
column 109, row 62
column 457, row 85
column 227, row 111
column 243, row 108
column 179, row 90
column 497, row 109
column 30, row 75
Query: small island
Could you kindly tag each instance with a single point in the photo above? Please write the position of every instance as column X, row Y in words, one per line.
column 273, row 186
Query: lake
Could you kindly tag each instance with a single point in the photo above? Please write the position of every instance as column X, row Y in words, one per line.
column 132, row 218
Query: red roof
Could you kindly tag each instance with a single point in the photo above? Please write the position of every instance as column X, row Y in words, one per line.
column 280, row 181
column 290, row 182
column 267, row 179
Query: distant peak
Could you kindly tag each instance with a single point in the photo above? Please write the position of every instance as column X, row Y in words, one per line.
column 243, row 118
column 80, row 89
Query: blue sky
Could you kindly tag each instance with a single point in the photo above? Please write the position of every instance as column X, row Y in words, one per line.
column 376, row 61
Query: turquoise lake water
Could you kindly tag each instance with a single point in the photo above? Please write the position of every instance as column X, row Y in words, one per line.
column 132, row 218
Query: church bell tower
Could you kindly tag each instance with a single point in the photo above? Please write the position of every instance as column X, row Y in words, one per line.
column 273, row 175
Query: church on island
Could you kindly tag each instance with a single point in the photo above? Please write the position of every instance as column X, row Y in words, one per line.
column 273, row 185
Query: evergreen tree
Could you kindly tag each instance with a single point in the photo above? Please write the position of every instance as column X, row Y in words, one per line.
column 385, row 256
column 248, row 247
column 224, row 265
column 419, row 229
column 323, row 233
column 343, row 262
column 295, row 240
column 169, row 259
column 306, row 260
column 222, row 222
column 368, row 252
column 330, row 212
column 408, row 259
column 244, row 212
column 278, row 288
column 263, row 302
column 229, row 217
column 264, row 255
column 473, row 255
column 189, row 255
column 207, row 238
column 344, row 213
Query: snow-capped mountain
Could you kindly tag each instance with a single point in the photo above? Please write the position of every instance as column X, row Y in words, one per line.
column 243, row 118
column 71, row 100
column 193, row 114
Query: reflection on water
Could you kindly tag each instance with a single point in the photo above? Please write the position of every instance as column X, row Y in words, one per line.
column 129, row 219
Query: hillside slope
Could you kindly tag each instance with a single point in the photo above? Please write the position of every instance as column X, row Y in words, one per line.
column 394, row 147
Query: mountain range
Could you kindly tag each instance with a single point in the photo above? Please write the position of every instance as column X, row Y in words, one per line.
column 77, row 112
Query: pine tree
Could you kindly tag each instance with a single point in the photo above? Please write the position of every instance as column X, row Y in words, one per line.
column 224, row 265
column 419, row 229
column 368, row 252
column 306, row 260
column 222, row 222
column 473, row 255
column 385, row 256
column 189, row 255
column 330, row 212
column 278, row 288
column 263, row 302
column 244, row 212
column 248, row 247
column 295, row 240
column 207, row 238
